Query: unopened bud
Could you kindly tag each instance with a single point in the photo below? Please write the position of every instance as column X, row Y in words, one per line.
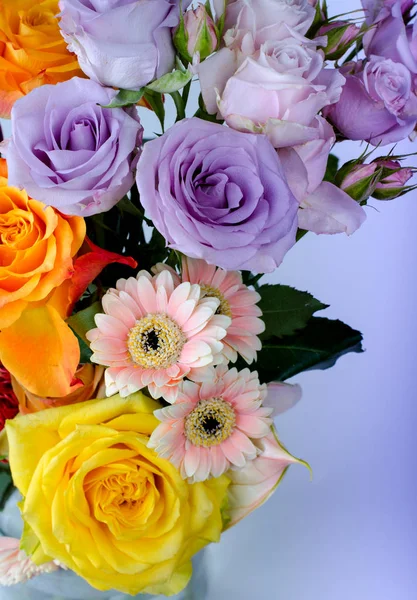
column 393, row 180
column 196, row 33
column 340, row 36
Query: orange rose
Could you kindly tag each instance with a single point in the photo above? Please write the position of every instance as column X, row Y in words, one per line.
column 89, row 377
column 32, row 50
column 37, row 245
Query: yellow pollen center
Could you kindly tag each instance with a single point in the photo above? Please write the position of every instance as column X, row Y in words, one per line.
column 155, row 342
column 210, row 423
column 212, row 292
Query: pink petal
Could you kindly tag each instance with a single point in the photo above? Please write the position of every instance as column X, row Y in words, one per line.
column 203, row 471
column 282, row 396
column 233, row 454
column 252, row 425
column 147, row 294
column 330, row 210
column 111, row 327
column 178, row 297
column 115, row 308
column 183, row 313
column 252, row 485
column 191, row 460
column 219, row 463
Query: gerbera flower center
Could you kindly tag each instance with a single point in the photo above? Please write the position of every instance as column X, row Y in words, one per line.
column 212, row 292
column 210, row 423
column 155, row 342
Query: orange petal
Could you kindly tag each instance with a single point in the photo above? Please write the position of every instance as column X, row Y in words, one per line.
column 3, row 171
column 88, row 266
column 41, row 352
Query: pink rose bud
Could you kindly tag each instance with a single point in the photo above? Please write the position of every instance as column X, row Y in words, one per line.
column 340, row 36
column 196, row 33
column 393, row 180
column 359, row 180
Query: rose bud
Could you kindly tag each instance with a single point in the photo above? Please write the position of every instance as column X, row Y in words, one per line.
column 196, row 33
column 393, row 180
column 358, row 180
column 340, row 36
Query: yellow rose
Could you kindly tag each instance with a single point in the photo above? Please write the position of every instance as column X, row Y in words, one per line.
column 102, row 503
column 32, row 50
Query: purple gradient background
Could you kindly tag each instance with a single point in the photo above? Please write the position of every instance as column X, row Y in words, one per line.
column 351, row 533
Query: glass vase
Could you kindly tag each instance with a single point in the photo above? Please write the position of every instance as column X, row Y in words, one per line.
column 66, row 585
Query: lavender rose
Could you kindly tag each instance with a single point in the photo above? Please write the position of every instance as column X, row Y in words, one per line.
column 218, row 194
column 377, row 10
column 380, row 92
column 277, row 91
column 324, row 208
column 69, row 152
column 121, row 43
column 391, row 38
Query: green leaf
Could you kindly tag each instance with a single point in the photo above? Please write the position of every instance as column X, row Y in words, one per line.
column 317, row 346
column 125, row 98
column 171, row 82
column 6, row 487
column 331, row 169
column 83, row 320
column 126, row 206
column 154, row 99
column 285, row 309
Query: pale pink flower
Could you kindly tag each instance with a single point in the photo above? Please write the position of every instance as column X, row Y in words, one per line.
column 211, row 426
column 237, row 301
column 154, row 333
column 253, row 485
column 16, row 566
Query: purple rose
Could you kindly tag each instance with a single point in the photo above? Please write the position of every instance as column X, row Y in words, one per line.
column 69, row 152
column 377, row 103
column 324, row 208
column 121, row 43
column 377, row 10
column 391, row 38
column 278, row 91
column 218, row 194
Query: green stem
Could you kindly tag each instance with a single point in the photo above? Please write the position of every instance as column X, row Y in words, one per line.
column 185, row 94
column 179, row 105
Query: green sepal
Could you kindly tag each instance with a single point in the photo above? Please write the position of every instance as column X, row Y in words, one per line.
column 171, row 82
column 125, row 98
column 154, row 100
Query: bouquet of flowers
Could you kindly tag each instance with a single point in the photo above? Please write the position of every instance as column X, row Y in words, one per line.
column 142, row 359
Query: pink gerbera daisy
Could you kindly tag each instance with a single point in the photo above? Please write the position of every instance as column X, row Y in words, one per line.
column 154, row 334
column 237, row 301
column 209, row 428
column 15, row 566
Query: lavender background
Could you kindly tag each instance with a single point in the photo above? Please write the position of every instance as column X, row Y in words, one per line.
column 350, row 534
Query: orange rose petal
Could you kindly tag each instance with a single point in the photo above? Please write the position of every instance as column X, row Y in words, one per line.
column 79, row 229
column 41, row 352
column 61, row 268
column 88, row 266
column 7, row 99
column 11, row 312
column 3, row 172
